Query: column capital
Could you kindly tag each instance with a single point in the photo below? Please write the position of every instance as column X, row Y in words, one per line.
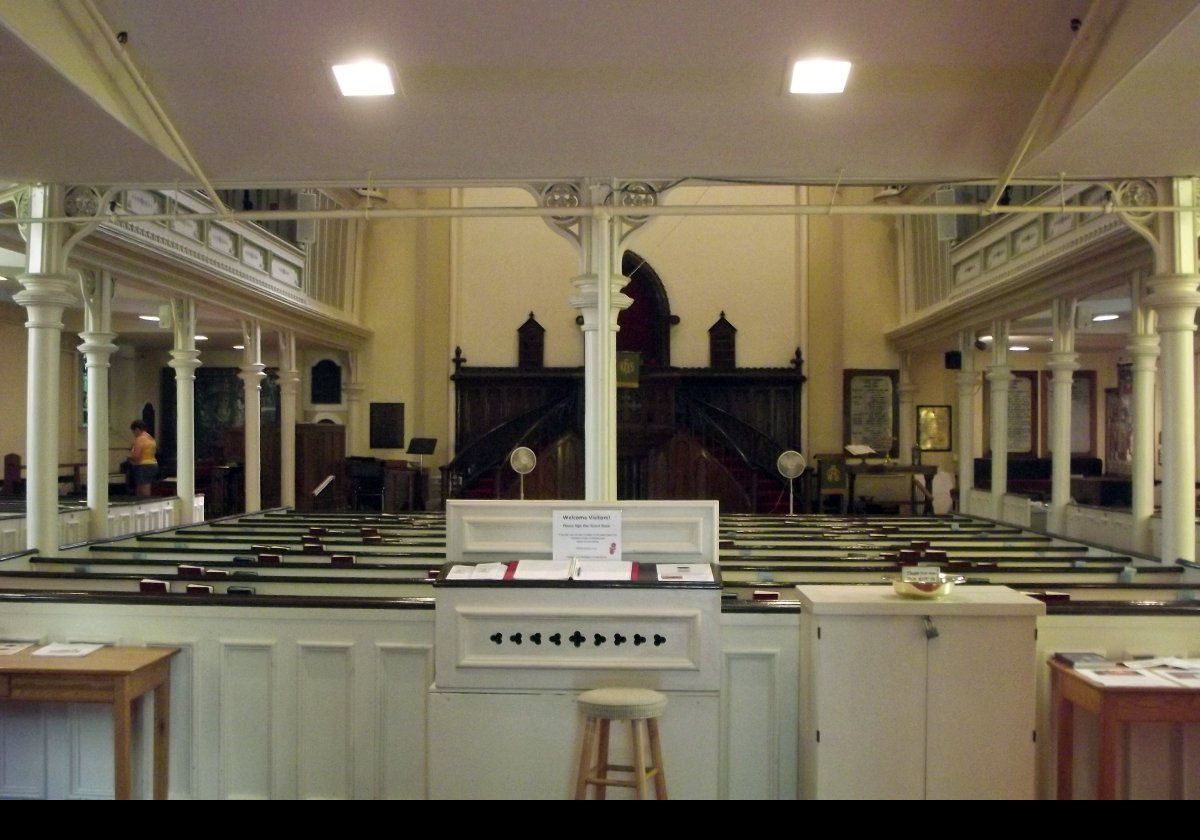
column 1144, row 350
column 353, row 390
column 251, row 374
column 999, row 375
column 905, row 390
column 967, row 379
column 97, row 347
column 1175, row 298
column 1063, row 361
column 45, row 296
column 185, row 363
column 587, row 298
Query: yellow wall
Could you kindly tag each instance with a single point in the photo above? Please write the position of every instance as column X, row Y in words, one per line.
column 406, row 305
column 852, row 302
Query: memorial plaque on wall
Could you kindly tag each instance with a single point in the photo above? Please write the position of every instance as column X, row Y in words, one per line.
column 1020, row 414
column 1083, row 413
column 870, row 409
column 387, row 425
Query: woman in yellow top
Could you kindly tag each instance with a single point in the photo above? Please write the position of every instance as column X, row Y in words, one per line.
column 143, row 463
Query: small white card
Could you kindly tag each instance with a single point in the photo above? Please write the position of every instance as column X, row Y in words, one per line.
column 9, row 648
column 587, row 534
column 686, row 572
column 921, row 574
column 58, row 649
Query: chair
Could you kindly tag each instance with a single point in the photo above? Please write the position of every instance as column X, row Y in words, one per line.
column 366, row 481
column 641, row 707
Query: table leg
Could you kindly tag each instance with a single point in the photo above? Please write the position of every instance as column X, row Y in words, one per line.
column 1064, row 722
column 162, row 743
column 1108, row 753
column 122, row 741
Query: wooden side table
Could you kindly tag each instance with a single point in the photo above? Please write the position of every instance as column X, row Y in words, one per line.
column 1115, row 707
column 116, row 675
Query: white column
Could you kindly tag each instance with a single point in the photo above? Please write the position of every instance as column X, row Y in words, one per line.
column 1143, row 349
column 1064, row 361
column 352, row 391
column 907, row 425
column 289, row 390
column 999, row 378
column 185, row 358
column 47, row 289
column 97, row 348
column 252, row 374
column 968, row 381
column 598, row 298
column 1175, row 298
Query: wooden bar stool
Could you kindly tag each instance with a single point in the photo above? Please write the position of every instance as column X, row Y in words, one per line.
column 642, row 708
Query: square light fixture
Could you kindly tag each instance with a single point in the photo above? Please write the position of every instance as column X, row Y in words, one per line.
column 364, row 78
column 819, row 75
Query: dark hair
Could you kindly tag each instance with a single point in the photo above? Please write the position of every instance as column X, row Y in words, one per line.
column 137, row 426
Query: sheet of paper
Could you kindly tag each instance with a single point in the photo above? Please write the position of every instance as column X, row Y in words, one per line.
column 489, row 571
column 58, row 649
column 460, row 572
column 1186, row 677
column 543, row 570
column 9, row 648
column 688, row 572
column 1127, row 678
column 604, row 570
column 587, row 534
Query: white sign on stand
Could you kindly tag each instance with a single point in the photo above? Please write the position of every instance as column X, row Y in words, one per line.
column 587, row 535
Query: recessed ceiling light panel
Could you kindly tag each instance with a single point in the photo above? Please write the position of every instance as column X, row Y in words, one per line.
column 819, row 75
column 1018, row 348
column 1109, row 317
column 153, row 318
column 200, row 338
column 364, row 78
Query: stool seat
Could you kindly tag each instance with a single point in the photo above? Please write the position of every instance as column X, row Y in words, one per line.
column 623, row 703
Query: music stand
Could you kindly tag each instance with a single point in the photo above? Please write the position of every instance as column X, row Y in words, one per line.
column 421, row 446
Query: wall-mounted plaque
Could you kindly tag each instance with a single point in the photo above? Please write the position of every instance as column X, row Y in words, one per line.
column 1022, row 413
column 871, row 409
column 934, row 428
column 1084, row 413
column 387, row 425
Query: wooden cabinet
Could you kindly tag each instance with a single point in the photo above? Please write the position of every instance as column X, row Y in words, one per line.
column 909, row 699
column 320, row 450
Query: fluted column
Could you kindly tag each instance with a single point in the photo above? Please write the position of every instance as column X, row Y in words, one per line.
column 1175, row 298
column 598, row 298
column 1063, row 362
column 999, row 378
column 905, row 391
column 967, row 381
column 289, row 391
column 46, row 289
column 185, row 358
column 97, row 349
column 252, row 374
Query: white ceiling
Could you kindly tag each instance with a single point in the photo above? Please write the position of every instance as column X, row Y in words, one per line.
column 531, row 89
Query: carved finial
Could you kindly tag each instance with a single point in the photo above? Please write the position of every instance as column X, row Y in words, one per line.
column 459, row 359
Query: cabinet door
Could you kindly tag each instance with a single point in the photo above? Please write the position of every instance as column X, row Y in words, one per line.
column 869, row 679
column 982, row 707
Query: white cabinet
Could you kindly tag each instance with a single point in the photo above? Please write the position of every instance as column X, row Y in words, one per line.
column 904, row 699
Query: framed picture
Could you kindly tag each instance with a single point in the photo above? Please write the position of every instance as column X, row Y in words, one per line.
column 871, row 409
column 934, row 428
